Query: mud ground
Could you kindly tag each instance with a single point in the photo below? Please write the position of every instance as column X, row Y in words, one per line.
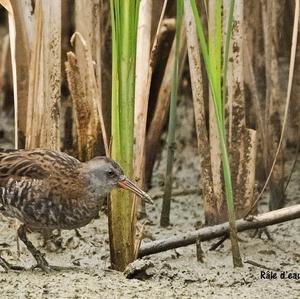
column 173, row 274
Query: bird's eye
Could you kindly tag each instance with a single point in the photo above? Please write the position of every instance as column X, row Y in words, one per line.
column 110, row 173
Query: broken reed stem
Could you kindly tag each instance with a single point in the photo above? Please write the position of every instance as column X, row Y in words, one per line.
column 89, row 34
column 83, row 112
column 165, row 214
column 92, row 89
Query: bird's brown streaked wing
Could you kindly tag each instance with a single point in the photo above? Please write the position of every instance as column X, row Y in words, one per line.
column 35, row 164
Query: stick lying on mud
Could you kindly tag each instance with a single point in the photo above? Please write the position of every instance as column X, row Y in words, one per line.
column 211, row 232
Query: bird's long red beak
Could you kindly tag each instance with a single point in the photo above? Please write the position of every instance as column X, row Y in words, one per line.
column 125, row 183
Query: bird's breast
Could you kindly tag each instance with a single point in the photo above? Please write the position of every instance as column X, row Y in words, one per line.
column 51, row 203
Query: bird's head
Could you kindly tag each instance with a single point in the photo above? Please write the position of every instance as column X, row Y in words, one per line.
column 105, row 174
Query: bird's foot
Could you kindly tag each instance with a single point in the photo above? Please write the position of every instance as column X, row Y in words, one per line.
column 44, row 267
column 41, row 262
column 7, row 266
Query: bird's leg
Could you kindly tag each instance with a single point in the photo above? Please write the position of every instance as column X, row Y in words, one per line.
column 41, row 261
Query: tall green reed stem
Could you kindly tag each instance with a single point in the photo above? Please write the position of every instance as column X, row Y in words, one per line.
column 124, row 16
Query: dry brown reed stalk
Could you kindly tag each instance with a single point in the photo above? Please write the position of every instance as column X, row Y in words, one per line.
column 146, row 53
column 143, row 72
column 294, row 114
column 91, row 32
column 106, row 64
column 251, row 81
column 199, row 111
column 254, row 40
column 164, row 36
column 25, row 33
column 23, row 11
column 3, row 58
column 235, row 79
column 51, row 73
column 35, row 94
column 12, row 39
column 85, row 95
column 42, row 128
column 241, row 140
column 87, row 22
column 12, row 36
column 214, row 140
column 271, row 12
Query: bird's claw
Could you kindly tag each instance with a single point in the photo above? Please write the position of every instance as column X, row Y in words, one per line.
column 44, row 267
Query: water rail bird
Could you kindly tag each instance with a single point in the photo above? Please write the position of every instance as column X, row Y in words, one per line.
column 46, row 189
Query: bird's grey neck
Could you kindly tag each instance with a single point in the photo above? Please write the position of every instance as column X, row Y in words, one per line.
column 96, row 187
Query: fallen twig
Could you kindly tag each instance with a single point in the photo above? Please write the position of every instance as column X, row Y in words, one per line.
column 260, row 265
column 211, row 232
